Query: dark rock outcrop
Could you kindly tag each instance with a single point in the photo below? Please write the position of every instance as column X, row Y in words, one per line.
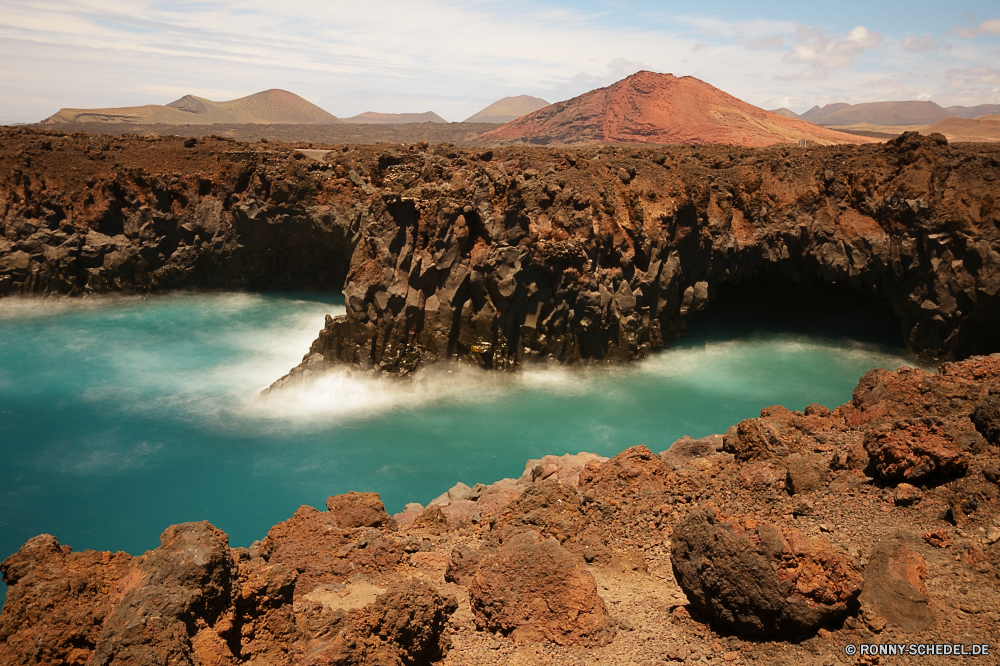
column 761, row 583
column 545, row 254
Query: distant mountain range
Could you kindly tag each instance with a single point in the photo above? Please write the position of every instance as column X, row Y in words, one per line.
column 888, row 113
column 508, row 109
column 373, row 118
column 660, row 108
column 268, row 107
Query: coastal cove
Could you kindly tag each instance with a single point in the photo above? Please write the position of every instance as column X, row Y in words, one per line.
column 123, row 414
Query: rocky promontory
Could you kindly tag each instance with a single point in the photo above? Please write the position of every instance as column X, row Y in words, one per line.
column 781, row 541
column 598, row 255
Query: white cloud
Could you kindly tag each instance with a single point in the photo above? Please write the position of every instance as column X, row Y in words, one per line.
column 924, row 44
column 823, row 52
column 883, row 83
column 988, row 27
column 981, row 75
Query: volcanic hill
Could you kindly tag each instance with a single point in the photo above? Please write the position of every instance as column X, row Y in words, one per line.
column 983, row 128
column 508, row 109
column 267, row 107
column 878, row 113
column 660, row 108
column 375, row 118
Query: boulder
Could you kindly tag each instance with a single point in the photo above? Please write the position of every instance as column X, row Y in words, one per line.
column 895, row 584
column 359, row 510
column 164, row 597
column 532, row 590
column 804, row 475
column 757, row 581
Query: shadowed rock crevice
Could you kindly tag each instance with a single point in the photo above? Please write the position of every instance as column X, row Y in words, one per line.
column 798, row 304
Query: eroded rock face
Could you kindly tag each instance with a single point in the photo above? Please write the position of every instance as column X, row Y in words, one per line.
column 404, row 626
column 56, row 602
column 157, row 603
column 563, row 258
column 756, row 581
column 532, row 589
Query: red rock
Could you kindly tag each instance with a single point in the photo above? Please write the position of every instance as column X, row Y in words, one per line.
column 938, row 538
column 56, row 602
column 565, row 469
column 532, row 590
column 915, row 451
column 660, row 108
column 760, row 582
column 359, row 510
column 895, row 585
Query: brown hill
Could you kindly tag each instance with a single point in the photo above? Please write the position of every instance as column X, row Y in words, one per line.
column 374, row 118
column 508, row 109
column 879, row 113
column 975, row 111
column 268, row 107
column 788, row 113
column 984, row 128
column 660, row 108
column 817, row 112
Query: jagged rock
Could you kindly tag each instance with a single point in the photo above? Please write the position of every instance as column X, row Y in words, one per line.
column 914, row 452
column 760, row 582
column 164, row 593
column 638, row 468
column 895, row 584
column 56, row 602
column 565, row 469
column 322, row 552
column 532, row 590
column 358, row 510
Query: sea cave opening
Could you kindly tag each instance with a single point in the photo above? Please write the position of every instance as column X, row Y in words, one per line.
column 774, row 302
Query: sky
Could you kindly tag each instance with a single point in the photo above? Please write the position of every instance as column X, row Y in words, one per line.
column 456, row 57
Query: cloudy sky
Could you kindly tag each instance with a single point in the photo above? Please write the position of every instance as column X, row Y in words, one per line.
column 455, row 57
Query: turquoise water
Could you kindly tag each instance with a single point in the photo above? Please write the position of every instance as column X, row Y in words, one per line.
column 120, row 416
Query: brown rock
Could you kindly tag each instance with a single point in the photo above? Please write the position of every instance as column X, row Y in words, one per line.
column 760, row 582
column 464, row 563
column 914, row 451
column 403, row 627
column 359, row 510
column 565, row 469
column 553, row 508
column 986, row 417
column 313, row 543
column 905, row 494
column 938, row 538
column 56, row 602
column 166, row 592
column 636, row 468
column 432, row 519
column 816, row 409
column 895, row 584
column 533, row 590
column 804, row 475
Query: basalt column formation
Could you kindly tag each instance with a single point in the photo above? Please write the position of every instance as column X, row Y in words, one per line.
column 516, row 255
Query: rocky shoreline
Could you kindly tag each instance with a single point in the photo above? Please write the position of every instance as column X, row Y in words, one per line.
column 499, row 256
column 782, row 541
